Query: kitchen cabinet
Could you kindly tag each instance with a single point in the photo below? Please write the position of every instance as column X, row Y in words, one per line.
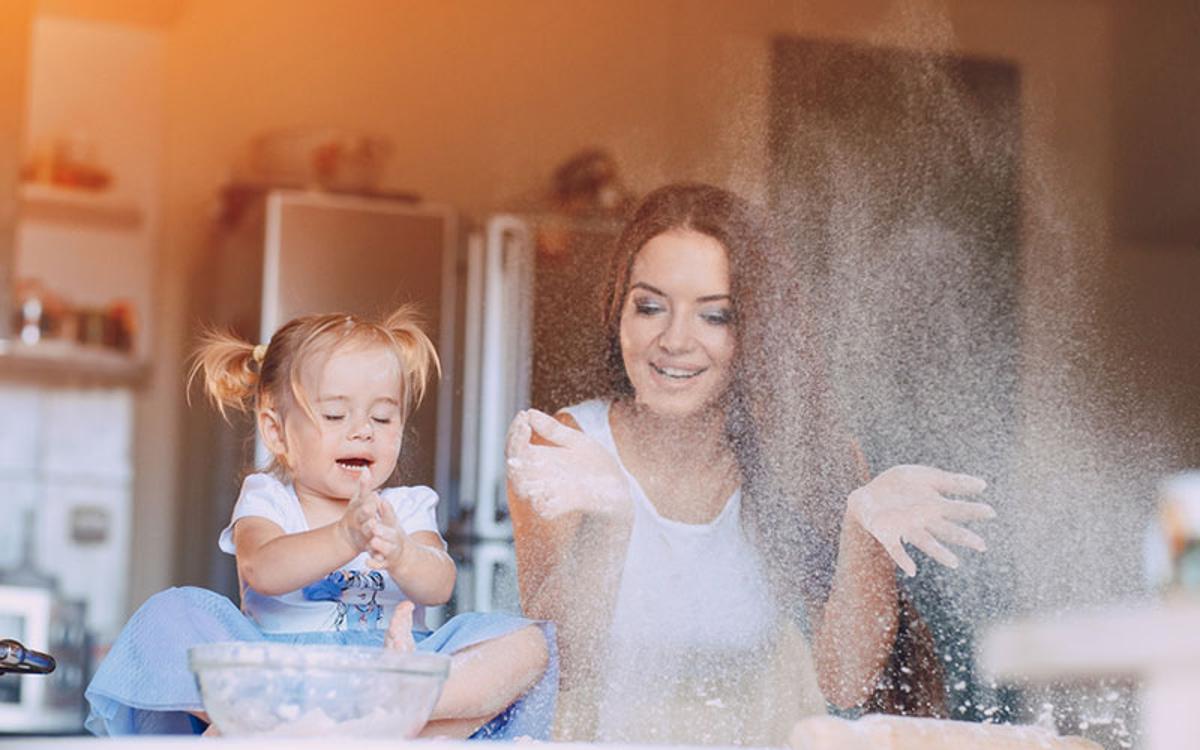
column 14, row 66
column 96, row 87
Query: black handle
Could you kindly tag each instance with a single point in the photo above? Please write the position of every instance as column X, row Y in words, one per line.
column 16, row 658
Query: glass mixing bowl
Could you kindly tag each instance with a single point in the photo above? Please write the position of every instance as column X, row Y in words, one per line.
column 300, row 690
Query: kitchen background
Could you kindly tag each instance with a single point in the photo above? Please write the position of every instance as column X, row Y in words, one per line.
column 130, row 130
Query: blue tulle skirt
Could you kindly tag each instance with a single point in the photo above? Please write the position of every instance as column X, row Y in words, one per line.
column 144, row 685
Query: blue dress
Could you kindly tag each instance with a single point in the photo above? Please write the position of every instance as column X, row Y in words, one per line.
column 144, row 684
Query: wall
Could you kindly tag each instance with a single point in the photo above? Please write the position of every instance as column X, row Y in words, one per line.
column 65, row 455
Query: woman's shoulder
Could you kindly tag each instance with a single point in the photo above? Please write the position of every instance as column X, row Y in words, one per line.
column 589, row 416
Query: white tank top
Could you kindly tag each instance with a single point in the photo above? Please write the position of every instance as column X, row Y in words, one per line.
column 684, row 586
column 693, row 617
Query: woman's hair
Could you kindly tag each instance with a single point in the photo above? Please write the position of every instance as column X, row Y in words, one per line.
column 797, row 463
column 244, row 377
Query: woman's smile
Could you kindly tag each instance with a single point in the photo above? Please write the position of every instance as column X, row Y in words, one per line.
column 677, row 373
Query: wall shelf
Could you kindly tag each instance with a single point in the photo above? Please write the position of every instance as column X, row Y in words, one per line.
column 81, row 207
column 63, row 363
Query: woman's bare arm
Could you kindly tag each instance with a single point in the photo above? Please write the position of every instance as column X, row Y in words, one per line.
column 568, row 571
column 903, row 505
column 858, row 624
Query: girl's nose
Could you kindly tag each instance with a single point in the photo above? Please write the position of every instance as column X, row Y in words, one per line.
column 363, row 430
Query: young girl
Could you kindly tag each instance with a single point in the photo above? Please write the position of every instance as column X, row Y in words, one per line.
column 323, row 554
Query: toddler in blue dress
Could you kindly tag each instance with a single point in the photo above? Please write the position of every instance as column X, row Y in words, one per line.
column 324, row 555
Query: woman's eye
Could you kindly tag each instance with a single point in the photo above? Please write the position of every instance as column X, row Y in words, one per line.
column 642, row 307
column 333, row 417
column 717, row 317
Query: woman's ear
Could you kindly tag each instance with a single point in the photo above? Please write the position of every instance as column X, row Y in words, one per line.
column 270, row 426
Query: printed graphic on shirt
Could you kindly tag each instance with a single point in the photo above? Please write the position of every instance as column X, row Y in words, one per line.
column 356, row 594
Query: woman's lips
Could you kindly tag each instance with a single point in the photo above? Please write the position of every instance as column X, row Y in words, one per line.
column 677, row 373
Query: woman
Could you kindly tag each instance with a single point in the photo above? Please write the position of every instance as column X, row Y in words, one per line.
column 683, row 530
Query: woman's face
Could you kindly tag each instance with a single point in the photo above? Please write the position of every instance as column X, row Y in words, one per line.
column 677, row 337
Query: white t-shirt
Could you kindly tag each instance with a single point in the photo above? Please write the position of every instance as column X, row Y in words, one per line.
column 351, row 598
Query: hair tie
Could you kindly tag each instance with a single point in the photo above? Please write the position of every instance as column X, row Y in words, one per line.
column 260, row 352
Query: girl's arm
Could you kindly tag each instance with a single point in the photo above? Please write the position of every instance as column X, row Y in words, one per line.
column 273, row 562
column 419, row 565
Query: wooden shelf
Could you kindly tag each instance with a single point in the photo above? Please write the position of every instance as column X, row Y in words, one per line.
column 66, row 206
column 65, row 363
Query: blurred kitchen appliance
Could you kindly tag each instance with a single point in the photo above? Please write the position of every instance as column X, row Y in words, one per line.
column 32, row 703
column 534, row 296
column 16, row 659
column 36, row 697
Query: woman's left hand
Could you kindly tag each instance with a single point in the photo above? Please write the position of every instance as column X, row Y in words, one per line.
column 907, row 504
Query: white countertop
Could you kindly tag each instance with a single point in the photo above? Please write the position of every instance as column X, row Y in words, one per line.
column 1118, row 641
column 1155, row 643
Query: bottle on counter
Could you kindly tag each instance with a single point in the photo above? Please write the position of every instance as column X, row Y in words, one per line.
column 1172, row 551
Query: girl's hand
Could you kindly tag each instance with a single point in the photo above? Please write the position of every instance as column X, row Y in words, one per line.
column 906, row 504
column 387, row 541
column 360, row 513
column 573, row 473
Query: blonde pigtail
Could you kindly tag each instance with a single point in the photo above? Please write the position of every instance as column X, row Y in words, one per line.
column 229, row 371
column 416, row 352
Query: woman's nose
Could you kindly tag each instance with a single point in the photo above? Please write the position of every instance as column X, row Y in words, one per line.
column 677, row 335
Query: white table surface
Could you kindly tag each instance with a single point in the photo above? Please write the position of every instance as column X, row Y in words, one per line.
column 1155, row 644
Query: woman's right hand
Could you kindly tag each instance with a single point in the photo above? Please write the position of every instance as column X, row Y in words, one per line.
column 907, row 504
column 571, row 473
column 358, row 520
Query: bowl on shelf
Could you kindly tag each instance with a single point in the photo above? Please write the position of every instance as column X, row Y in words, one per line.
column 278, row 689
column 326, row 158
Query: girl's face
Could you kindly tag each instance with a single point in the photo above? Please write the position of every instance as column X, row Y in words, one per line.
column 355, row 395
column 677, row 338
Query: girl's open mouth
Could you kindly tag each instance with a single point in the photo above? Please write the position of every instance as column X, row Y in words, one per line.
column 355, row 463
